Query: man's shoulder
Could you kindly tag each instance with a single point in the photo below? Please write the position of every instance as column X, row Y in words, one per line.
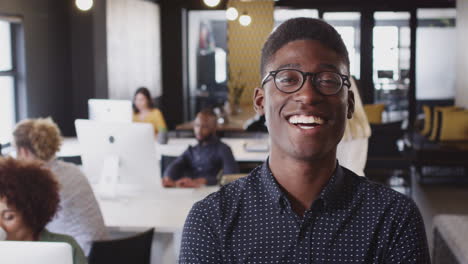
column 368, row 191
column 222, row 145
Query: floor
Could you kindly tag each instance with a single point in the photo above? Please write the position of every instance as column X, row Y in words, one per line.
column 434, row 196
column 439, row 198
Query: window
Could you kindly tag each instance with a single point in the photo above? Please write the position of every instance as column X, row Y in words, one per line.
column 348, row 24
column 280, row 15
column 7, row 83
column 435, row 54
column 391, row 41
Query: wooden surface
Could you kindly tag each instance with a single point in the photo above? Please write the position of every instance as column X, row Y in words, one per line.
column 235, row 124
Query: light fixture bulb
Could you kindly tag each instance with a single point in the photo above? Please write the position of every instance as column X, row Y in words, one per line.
column 232, row 14
column 211, row 3
column 245, row 20
column 84, row 5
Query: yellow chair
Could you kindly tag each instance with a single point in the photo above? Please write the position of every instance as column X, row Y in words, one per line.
column 436, row 124
column 227, row 178
column 374, row 112
column 428, row 120
column 454, row 126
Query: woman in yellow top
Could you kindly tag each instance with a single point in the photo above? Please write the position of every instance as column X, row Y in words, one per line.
column 145, row 112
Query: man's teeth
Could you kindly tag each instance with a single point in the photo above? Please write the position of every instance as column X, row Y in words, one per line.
column 305, row 120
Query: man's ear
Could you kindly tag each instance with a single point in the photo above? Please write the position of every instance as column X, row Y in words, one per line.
column 259, row 100
column 350, row 104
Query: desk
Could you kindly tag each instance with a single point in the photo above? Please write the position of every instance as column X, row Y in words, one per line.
column 165, row 209
column 161, row 208
column 177, row 146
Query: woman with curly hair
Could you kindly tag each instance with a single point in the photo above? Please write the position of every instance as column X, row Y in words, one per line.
column 28, row 200
column 79, row 216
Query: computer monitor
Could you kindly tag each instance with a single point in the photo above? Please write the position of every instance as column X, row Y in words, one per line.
column 118, row 155
column 22, row 252
column 110, row 110
column 384, row 74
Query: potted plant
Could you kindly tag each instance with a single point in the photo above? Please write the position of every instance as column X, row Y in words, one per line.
column 236, row 88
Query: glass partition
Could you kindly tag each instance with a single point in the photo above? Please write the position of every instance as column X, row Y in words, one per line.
column 348, row 24
column 391, row 51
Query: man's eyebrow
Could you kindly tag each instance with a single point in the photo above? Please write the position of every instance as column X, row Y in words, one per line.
column 289, row 66
column 328, row 66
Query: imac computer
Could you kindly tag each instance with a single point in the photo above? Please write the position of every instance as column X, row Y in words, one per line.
column 110, row 110
column 118, row 155
column 22, row 252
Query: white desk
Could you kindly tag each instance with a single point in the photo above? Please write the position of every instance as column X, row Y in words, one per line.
column 175, row 147
column 160, row 208
column 165, row 209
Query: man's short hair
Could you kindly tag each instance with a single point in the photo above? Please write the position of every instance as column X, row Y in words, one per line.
column 208, row 112
column 302, row 29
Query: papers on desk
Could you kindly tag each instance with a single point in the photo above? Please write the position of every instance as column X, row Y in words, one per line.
column 256, row 146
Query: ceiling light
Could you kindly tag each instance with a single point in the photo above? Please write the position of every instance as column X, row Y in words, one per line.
column 211, row 3
column 231, row 13
column 245, row 20
column 84, row 5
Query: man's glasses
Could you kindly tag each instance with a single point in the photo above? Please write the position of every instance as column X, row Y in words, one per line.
column 291, row 80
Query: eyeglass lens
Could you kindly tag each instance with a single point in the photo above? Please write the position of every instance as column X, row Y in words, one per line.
column 291, row 80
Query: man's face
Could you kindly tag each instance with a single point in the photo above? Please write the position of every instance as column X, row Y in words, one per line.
column 304, row 125
column 204, row 126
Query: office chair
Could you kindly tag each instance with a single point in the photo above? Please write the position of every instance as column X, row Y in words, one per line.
column 134, row 250
column 165, row 161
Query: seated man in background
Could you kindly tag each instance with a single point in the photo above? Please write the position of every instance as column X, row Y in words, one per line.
column 201, row 164
column 29, row 198
column 80, row 216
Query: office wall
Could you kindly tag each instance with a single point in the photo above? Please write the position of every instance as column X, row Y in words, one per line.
column 245, row 44
column 461, row 92
column 45, row 29
column 133, row 47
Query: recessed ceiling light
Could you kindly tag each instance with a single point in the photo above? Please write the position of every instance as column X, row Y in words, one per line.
column 84, row 5
column 211, row 3
column 231, row 13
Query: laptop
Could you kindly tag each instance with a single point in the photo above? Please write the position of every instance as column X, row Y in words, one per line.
column 22, row 252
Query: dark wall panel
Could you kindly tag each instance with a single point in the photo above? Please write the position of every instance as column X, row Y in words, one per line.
column 46, row 45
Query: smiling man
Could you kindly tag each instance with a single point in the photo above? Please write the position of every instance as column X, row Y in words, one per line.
column 301, row 206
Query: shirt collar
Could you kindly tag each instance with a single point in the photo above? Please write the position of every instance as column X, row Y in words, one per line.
column 335, row 187
column 332, row 191
column 268, row 181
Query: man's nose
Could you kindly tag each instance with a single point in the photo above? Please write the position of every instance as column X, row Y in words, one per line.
column 308, row 94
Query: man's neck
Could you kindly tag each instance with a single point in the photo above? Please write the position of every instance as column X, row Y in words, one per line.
column 207, row 140
column 302, row 180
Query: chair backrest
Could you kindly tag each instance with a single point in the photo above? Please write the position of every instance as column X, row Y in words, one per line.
column 165, row 162
column 134, row 250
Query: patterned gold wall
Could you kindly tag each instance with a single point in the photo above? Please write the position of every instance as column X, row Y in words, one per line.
column 245, row 44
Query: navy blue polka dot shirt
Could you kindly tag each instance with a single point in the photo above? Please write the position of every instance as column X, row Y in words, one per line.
column 352, row 221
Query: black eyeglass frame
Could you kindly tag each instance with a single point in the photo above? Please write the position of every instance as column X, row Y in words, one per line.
column 344, row 80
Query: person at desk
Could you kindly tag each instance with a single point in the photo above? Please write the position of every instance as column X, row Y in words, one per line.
column 201, row 164
column 29, row 199
column 145, row 112
column 80, row 216
column 301, row 206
